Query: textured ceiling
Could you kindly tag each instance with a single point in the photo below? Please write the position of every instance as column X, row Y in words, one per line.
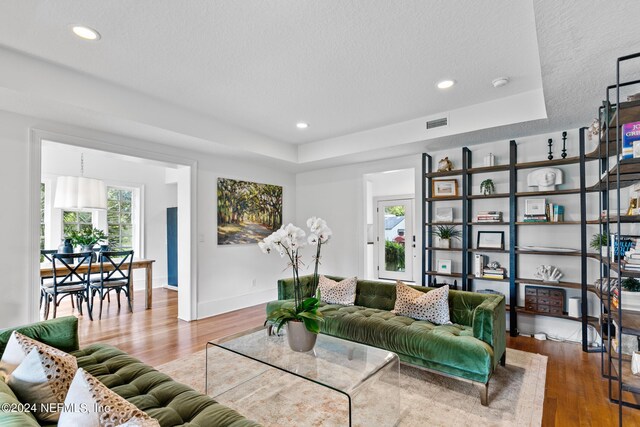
column 175, row 72
column 342, row 66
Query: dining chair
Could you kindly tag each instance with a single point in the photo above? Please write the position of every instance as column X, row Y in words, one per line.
column 115, row 275
column 47, row 281
column 69, row 282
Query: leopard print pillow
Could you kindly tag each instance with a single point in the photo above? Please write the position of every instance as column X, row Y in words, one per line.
column 43, row 377
column 343, row 292
column 105, row 408
column 432, row 306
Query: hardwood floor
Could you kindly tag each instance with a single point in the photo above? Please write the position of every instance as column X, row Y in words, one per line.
column 575, row 395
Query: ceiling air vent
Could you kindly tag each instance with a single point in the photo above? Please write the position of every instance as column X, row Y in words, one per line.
column 431, row 124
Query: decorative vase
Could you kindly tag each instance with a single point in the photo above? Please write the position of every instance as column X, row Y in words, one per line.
column 444, row 243
column 299, row 337
column 89, row 248
column 66, row 248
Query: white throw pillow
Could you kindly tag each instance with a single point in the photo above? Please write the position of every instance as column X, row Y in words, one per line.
column 90, row 403
column 432, row 306
column 343, row 292
column 14, row 353
column 42, row 378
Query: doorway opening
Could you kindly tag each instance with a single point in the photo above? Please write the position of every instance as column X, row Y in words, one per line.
column 141, row 190
column 390, row 241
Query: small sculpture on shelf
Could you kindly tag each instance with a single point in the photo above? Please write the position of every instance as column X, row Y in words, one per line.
column 564, row 145
column 546, row 179
column 487, row 187
column 494, row 265
column 594, row 129
column 548, row 273
column 445, row 165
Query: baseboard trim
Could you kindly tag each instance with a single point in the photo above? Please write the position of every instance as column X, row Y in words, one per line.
column 225, row 305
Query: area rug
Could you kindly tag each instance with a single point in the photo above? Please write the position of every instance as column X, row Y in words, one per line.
column 275, row 398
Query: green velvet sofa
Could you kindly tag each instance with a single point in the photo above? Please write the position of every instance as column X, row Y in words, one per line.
column 171, row 403
column 471, row 348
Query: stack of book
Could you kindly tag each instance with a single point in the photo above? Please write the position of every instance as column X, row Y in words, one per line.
column 497, row 273
column 536, row 218
column 632, row 261
column 489, row 216
column 555, row 213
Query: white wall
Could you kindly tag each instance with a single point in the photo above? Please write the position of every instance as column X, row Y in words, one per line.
column 60, row 159
column 226, row 274
column 339, row 195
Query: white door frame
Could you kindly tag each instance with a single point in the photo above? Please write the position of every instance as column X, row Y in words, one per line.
column 409, row 239
column 188, row 286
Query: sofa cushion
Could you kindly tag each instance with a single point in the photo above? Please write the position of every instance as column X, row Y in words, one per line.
column 61, row 333
column 101, row 406
column 13, row 418
column 338, row 292
column 43, row 376
column 169, row 402
column 432, row 306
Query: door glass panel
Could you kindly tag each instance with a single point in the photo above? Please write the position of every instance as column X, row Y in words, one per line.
column 394, row 236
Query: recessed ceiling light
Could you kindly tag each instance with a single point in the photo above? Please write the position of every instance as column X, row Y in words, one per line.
column 445, row 84
column 85, row 32
column 500, row 81
column 302, row 125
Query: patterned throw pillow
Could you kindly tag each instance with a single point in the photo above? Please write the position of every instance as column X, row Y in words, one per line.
column 16, row 350
column 91, row 403
column 343, row 293
column 42, row 378
column 432, row 306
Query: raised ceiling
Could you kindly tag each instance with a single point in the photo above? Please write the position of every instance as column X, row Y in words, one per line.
column 239, row 75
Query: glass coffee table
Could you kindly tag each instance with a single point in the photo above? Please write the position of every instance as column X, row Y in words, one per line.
column 258, row 373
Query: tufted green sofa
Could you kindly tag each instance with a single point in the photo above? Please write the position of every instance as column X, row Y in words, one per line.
column 171, row 403
column 471, row 348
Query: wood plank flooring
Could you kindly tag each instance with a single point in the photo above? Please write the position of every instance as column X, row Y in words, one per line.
column 576, row 394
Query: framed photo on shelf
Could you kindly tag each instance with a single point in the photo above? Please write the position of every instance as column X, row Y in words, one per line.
column 444, row 215
column 535, row 207
column 444, row 266
column 445, row 188
column 490, row 240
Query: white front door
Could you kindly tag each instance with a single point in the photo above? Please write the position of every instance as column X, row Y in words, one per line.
column 395, row 239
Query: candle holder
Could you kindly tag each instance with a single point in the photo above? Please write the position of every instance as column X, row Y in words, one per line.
column 564, row 145
column 550, row 142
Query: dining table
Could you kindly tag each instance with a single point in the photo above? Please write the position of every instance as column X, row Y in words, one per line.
column 46, row 270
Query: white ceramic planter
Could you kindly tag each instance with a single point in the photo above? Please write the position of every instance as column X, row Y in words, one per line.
column 299, row 337
column 630, row 300
column 444, row 243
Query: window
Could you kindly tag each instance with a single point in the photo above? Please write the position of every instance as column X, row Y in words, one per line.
column 76, row 221
column 119, row 218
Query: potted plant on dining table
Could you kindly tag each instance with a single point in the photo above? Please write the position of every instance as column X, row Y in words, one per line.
column 303, row 319
column 86, row 238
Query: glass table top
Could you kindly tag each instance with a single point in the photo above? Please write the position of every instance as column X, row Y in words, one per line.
column 336, row 363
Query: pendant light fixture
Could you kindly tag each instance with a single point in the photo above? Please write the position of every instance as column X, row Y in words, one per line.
column 80, row 193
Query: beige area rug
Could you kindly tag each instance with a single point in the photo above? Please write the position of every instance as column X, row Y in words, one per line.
column 274, row 398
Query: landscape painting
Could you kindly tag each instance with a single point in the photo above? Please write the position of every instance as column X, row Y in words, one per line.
column 247, row 211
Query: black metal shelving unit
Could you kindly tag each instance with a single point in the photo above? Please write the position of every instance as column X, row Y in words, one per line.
column 466, row 173
column 616, row 174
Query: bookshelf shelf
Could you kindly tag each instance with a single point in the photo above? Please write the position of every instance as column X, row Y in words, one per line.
column 469, row 224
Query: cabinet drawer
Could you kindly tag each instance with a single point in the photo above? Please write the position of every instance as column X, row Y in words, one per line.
column 543, row 309
column 543, row 292
column 531, row 307
column 556, row 293
column 555, row 310
column 556, row 303
column 531, row 299
column 530, row 291
column 544, row 300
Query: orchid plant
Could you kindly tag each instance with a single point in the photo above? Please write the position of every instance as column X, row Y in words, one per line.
column 287, row 242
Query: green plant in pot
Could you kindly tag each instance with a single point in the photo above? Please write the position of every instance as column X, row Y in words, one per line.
column 487, row 187
column 86, row 238
column 303, row 319
column 445, row 233
column 600, row 241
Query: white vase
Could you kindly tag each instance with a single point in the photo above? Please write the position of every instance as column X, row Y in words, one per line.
column 444, row 243
column 299, row 337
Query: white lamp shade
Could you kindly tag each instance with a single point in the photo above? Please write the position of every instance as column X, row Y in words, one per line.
column 75, row 192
